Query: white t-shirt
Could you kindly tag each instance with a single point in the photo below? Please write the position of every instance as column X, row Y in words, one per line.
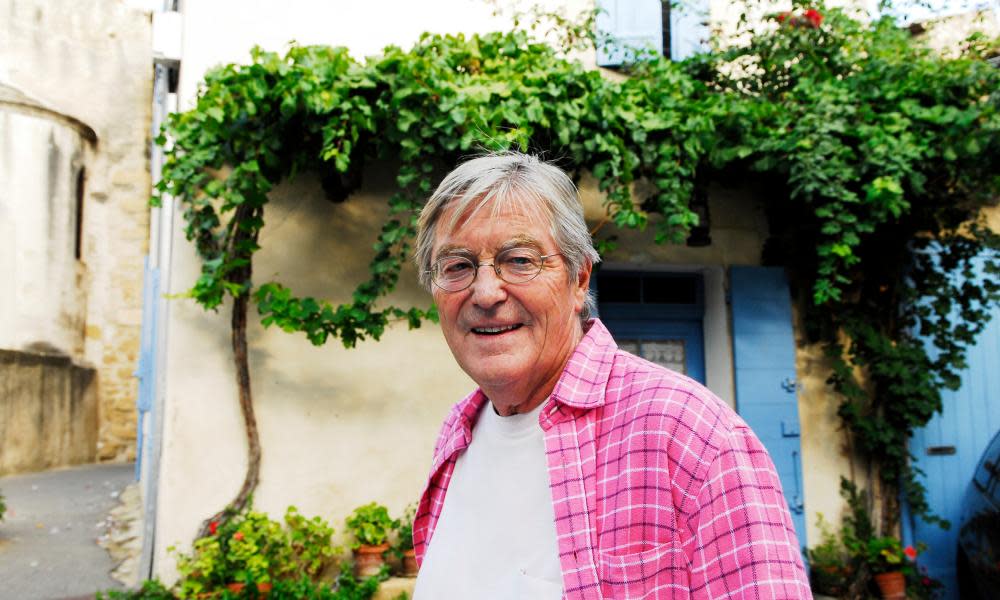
column 496, row 537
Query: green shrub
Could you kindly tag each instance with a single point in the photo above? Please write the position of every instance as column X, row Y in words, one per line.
column 347, row 587
column 251, row 548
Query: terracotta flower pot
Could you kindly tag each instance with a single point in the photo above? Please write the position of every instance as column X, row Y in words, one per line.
column 263, row 589
column 892, row 585
column 368, row 559
column 409, row 563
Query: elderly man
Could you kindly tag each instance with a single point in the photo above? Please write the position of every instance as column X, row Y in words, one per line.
column 576, row 470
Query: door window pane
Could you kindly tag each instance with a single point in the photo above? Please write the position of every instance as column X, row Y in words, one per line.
column 666, row 353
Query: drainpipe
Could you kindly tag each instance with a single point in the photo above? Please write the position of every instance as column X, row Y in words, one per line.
column 167, row 40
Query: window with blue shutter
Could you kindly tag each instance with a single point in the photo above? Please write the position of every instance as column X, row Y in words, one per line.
column 657, row 316
column 764, row 364
column 626, row 29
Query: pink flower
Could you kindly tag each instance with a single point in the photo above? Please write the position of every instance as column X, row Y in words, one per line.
column 910, row 552
column 238, row 536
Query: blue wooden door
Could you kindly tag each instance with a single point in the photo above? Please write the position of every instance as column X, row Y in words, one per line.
column 657, row 316
column 764, row 363
column 673, row 343
column 948, row 448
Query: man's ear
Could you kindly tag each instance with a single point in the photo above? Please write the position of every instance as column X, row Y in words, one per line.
column 582, row 285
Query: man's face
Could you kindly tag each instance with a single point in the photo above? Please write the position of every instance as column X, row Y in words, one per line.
column 538, row 321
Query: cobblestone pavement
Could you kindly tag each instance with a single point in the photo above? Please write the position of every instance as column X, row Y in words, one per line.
column 48, row 538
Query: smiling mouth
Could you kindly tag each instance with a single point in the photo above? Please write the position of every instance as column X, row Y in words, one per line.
column 496, row 330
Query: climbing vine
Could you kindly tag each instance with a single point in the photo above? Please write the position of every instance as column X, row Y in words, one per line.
column 883, row 154
column 878, row 156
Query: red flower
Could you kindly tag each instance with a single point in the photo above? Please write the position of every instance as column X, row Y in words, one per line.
column 910, row 552
column 813, row 16
column 926, row 581
column 783, row 16
column 213, row 527
column 238, row 536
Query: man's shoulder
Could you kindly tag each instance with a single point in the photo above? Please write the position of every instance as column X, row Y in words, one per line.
column 637, row 387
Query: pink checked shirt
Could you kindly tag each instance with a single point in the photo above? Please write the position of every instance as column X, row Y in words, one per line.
column 660, row 490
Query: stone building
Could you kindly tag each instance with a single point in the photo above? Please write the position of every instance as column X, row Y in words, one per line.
column 75, row 105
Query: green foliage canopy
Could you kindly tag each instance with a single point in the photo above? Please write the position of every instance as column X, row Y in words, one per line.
column 877, row 154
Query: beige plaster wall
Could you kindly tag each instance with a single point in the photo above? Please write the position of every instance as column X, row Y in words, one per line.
column 825, row 455
column 48, row 412
column 338, row 427
column 91, row 59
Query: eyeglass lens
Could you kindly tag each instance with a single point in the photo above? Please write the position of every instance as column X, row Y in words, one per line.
column 515, row 265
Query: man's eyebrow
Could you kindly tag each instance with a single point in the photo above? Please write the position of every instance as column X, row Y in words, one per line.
column 520, row 241
column 452, row 249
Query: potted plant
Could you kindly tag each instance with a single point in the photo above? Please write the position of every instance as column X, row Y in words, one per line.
column 404, row 544
column 886, row 558
column 370, row 525
column 830, row 567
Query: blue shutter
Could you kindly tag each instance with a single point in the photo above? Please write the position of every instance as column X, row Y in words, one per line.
column 764, row 361
column 628, row 26
column 689, row 32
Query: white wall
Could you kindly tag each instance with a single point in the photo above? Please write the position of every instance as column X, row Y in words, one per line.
column 44, row 305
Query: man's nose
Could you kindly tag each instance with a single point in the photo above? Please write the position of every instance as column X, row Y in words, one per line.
column 488, row 289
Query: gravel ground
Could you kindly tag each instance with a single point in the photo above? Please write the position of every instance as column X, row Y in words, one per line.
column 48, row 538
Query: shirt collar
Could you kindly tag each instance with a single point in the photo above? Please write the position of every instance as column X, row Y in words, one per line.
column 585, row 376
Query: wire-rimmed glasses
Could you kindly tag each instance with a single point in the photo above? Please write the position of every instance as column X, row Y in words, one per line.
column 514, row 265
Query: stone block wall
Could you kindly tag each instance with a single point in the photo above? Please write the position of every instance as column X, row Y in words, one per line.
column 92, row 60
column 48, row 412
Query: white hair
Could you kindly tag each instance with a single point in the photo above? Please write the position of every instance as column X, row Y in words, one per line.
column 502, row 181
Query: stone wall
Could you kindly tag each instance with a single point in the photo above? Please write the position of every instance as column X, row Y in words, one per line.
column 92, row 60
column 48, row 412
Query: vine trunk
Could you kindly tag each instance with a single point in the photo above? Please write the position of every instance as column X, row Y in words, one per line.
column 242, row 364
